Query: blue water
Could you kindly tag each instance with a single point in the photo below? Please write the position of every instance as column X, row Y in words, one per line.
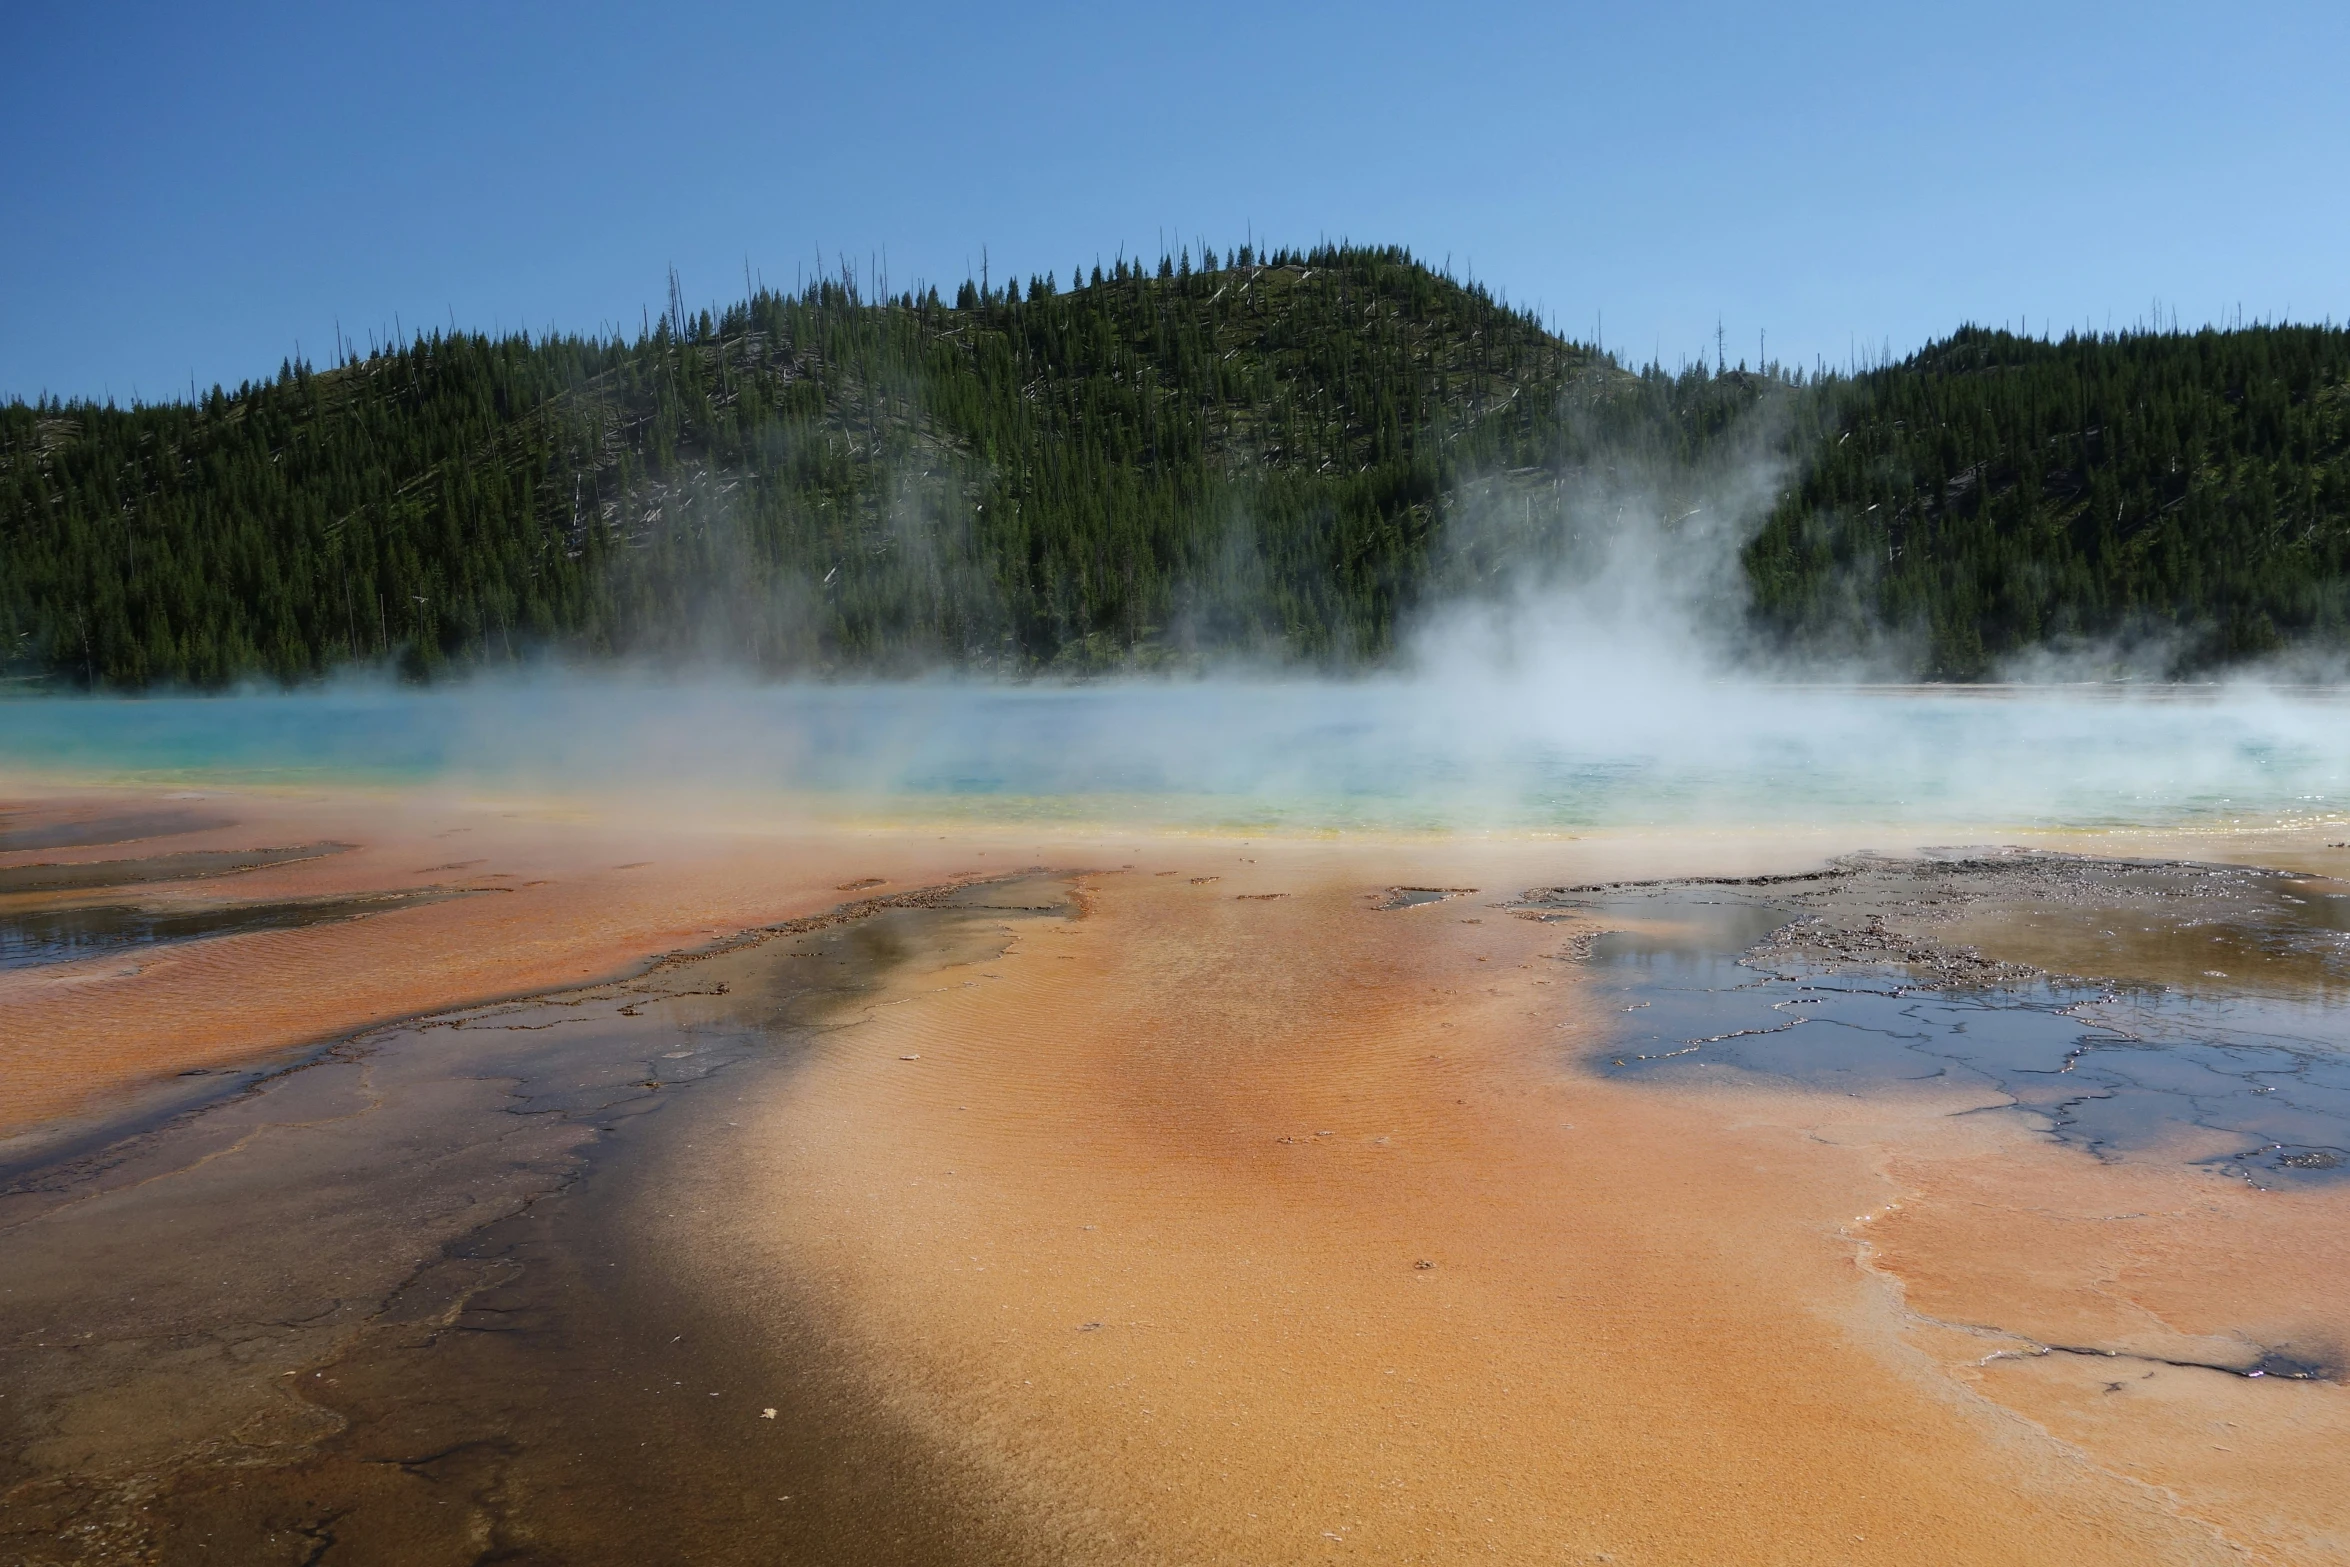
column 2110, row 1068
column 1396, row 753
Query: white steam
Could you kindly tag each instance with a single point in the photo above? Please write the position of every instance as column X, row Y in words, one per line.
column 1555, row 744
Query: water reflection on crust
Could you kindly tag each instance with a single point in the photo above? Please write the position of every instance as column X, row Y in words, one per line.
column 1856, row 978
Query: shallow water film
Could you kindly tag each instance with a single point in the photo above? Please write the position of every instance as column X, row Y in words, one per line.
column 1806, row 981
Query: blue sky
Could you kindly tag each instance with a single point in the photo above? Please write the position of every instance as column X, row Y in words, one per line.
column 189, row 193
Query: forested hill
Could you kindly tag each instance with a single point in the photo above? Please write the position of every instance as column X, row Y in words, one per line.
column 1249, row 449
column 1271, row 453
column 2186, row 494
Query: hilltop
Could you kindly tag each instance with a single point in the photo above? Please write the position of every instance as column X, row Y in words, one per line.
column 1250, row 449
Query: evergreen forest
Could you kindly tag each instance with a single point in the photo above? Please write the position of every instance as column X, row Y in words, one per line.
column 1284, row 454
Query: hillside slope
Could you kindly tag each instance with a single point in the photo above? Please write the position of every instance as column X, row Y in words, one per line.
column 2185, row 493
column 1250, row 452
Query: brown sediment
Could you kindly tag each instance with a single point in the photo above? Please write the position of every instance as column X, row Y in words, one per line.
column 78, row 825
column 192, row 865
column 2175, row 922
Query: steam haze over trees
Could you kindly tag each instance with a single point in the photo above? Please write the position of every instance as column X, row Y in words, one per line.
column 1262, row 454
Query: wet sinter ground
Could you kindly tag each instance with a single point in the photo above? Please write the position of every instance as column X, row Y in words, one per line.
column 55, row 912
column 2256, row 1055
column 391, row 1302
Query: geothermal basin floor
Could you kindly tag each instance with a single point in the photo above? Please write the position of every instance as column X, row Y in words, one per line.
column 1118, row 1201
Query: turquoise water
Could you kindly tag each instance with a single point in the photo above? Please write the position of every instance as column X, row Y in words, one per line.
column 1396, row 753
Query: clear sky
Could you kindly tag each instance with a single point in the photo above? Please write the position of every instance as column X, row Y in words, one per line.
column 191, row 191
